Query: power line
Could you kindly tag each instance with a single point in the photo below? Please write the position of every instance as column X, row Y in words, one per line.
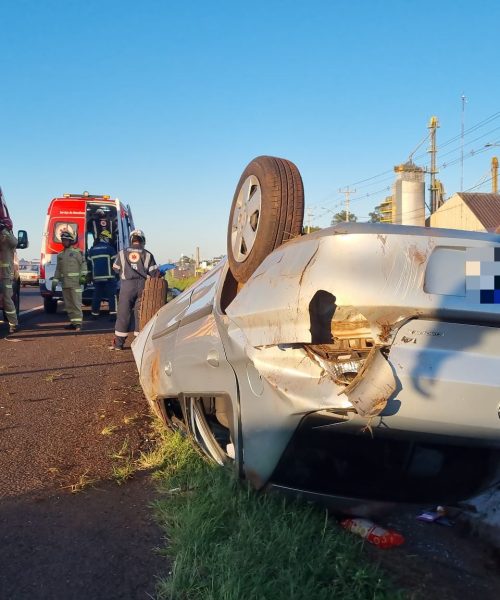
column 466, row 132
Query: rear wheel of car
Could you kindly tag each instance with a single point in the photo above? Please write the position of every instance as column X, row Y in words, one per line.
column 50, row 305
column 153, row 298
column 211, row 436
column 267, row 210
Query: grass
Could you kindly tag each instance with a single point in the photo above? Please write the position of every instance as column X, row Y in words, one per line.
column 230, row 542
column 83, row 482
column 124, row 452
column 109, row 429
column 180, row 284
column 122, row 473
column 53, row 376
column 131, row 419
column 126, row 467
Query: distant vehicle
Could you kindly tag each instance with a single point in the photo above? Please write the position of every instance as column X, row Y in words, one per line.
column 22, row 243
column 357, row 364
column 85, row 216
column 29, row 273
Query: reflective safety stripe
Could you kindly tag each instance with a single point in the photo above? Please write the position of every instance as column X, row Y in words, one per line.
column 72, row 274
column 9, row 312
column 7, row 285
column 120, row 333
column 4, row 264
column 103, row 277
column 76, row 320
column 96, row 256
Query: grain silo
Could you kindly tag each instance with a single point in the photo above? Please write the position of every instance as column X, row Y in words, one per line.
column 409, row 194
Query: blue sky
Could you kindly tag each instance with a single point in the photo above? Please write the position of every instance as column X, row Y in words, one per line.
column 163, row 104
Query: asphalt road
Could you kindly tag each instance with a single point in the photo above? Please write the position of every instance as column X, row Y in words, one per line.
column 30, row 298
column 59, row 391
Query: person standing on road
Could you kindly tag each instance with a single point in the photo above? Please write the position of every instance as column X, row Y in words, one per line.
column 135, row 265
column 71, row 271
column 101, row 256
column 8, row 244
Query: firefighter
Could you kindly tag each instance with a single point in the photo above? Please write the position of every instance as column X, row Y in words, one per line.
column 101, row 257
column 8, row 244
column 135, row 265
column 71, row 271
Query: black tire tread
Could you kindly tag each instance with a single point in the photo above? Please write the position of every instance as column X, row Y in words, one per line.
column 282, row 211
column 50, row 306
column 153, row 298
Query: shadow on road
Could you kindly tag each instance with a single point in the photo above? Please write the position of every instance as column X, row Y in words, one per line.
column 98, row 543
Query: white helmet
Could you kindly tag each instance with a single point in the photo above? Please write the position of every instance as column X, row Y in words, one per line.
column 137, row 233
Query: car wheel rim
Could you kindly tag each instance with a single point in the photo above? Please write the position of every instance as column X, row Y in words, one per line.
column 203, row 434
column 246, row 218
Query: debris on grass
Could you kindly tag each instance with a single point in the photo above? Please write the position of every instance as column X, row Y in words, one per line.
column 261, row 546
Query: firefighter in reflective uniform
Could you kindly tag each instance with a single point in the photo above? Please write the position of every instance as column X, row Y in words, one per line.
column 8, row 243
column 71, row 272
column 135, row 265
column 102, row 256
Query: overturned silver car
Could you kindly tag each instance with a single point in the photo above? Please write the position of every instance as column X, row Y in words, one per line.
column 359, row 362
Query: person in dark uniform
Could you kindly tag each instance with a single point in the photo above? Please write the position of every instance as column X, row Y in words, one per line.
column 134, row 265
column 101, row 257
column 98, row 223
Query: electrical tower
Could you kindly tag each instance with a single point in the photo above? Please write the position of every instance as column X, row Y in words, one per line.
column 347, row 193
column 434, row 187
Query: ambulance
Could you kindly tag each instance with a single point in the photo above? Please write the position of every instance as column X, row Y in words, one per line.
column 22, row 243
column 85, row 216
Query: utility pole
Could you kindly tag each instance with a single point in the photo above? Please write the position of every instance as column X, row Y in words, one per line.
column 309, row 215
column 433, row 125
column 347, row 193
column 464, row 100
column 494, row 175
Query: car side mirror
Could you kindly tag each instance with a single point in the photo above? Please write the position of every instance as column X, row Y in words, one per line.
column 22, row 239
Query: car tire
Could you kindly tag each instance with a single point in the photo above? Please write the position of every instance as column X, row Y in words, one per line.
column 50, row 305
column 267, row 210
column 153, row 298
column 16, row 296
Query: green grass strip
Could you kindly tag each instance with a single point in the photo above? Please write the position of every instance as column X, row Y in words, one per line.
column 229, row 542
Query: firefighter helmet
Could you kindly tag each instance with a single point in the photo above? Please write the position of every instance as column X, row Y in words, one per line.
column 67, row 235
column 105, row 235
column 137, row 233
